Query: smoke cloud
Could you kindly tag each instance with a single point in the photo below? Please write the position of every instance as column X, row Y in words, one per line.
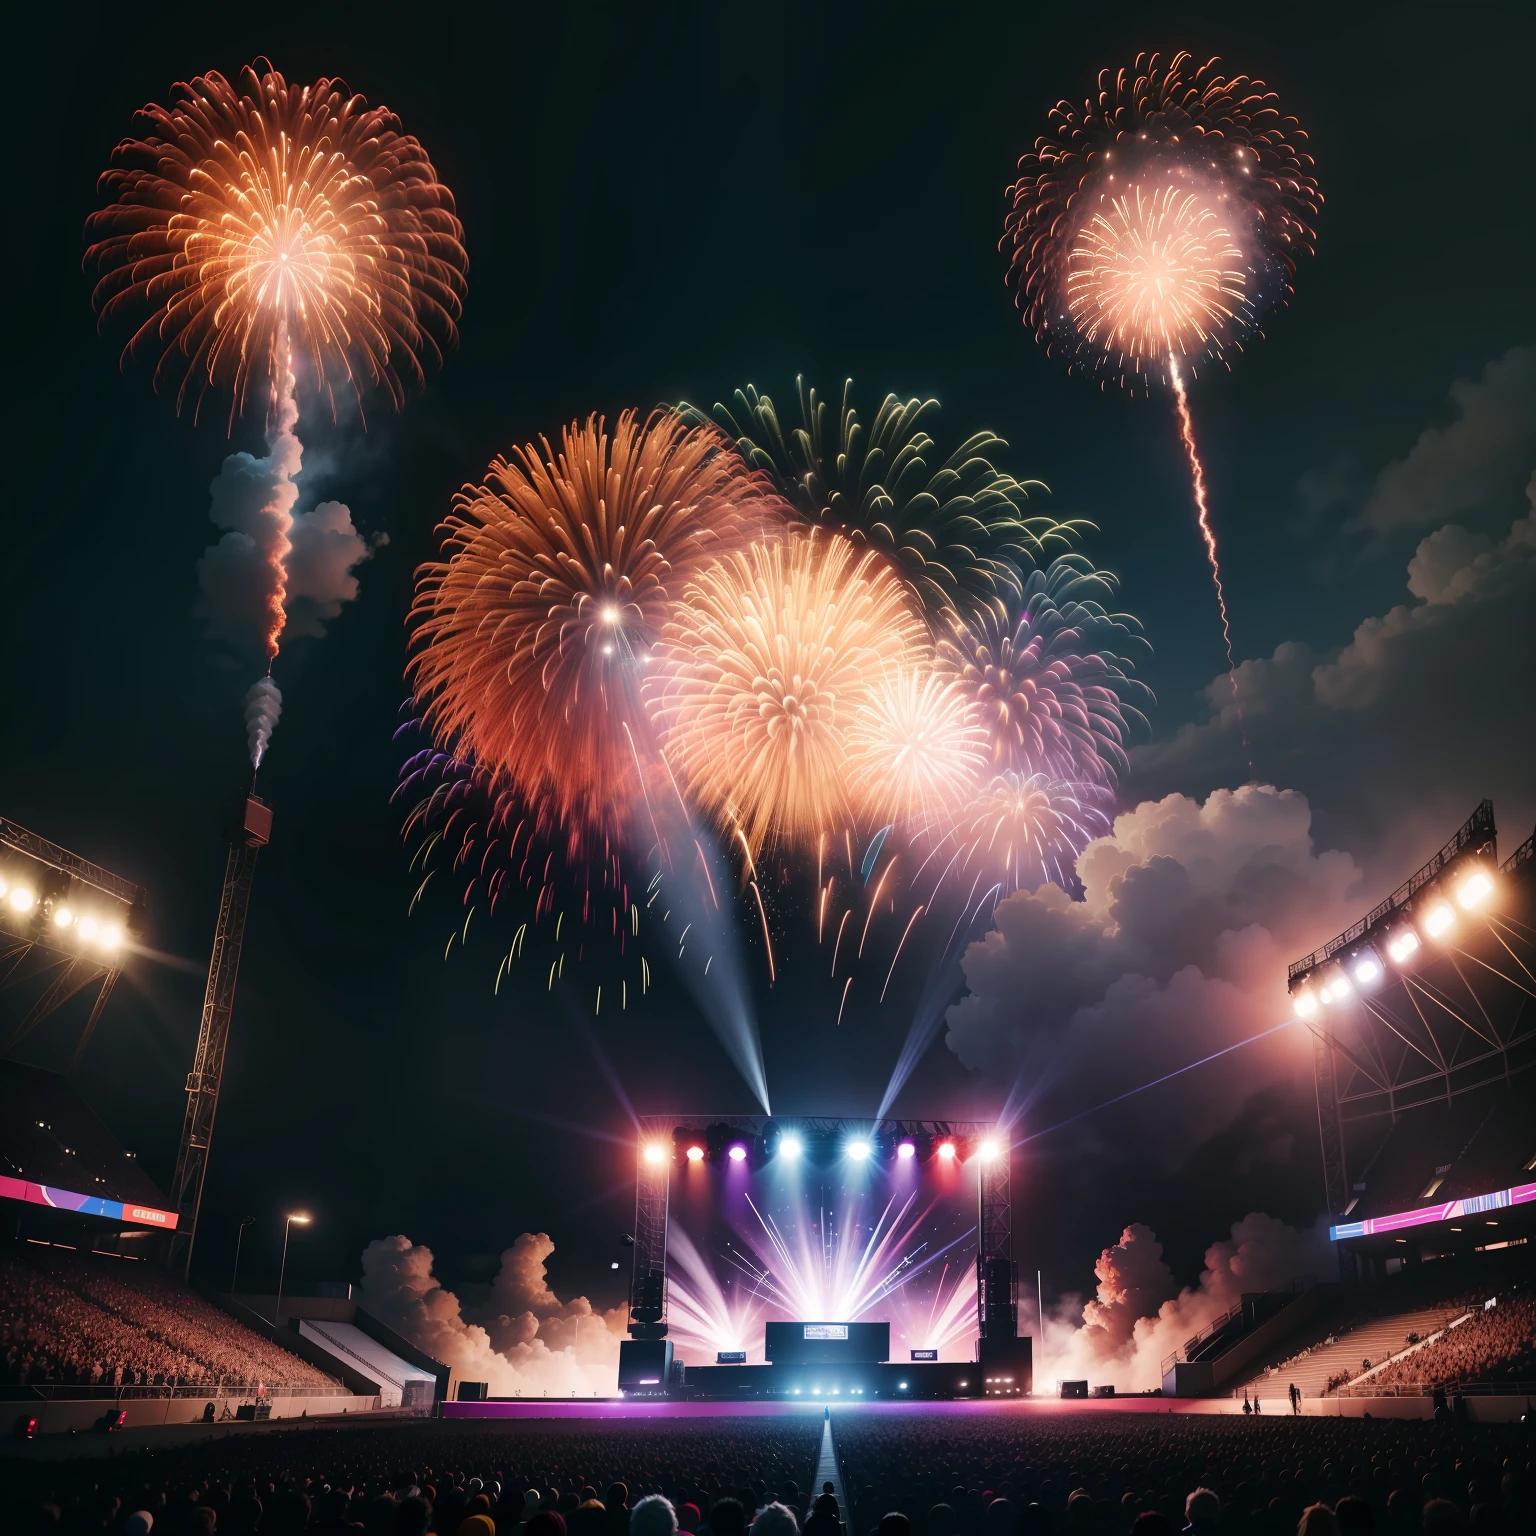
column 1139, row 1316
column 263, row 705
column 523, row 1340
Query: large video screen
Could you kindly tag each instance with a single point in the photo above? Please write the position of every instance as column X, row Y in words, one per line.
column 829, row 1229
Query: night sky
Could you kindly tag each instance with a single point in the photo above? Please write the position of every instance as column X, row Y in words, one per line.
column 661, row 203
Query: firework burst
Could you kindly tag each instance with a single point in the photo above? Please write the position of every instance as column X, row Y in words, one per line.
column 559, row 572
column 770, row 657
column 242, row 218
column 1019, row 832
column 958, row 528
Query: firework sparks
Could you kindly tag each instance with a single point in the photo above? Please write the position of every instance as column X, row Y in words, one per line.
column 560, row 571
column 763, row 669
column 1020, row 832
column 959, row 530
column 241, row 216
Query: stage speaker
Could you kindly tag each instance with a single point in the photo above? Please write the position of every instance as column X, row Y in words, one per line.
column 645, row 1366
column 1007, row 1365
column 1074, row 1389
column 472, row 1391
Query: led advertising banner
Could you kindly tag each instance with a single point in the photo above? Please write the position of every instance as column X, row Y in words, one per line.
column 1471, row 1205
column 86, row 1205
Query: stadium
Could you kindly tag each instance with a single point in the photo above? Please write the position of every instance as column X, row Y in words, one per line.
column 764, row 774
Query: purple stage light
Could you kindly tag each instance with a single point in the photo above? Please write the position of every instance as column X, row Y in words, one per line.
column 906, row 1150
column 738, row 1153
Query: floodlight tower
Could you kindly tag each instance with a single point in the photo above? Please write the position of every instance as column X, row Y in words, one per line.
column 247, row 838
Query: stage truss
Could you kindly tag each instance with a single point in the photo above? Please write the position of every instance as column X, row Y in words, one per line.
column 996, row 1270
column 1455, row 1016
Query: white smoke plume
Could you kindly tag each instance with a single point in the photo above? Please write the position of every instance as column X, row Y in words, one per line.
column 263, row 705
column 1140, row 1316
column 523, row 1341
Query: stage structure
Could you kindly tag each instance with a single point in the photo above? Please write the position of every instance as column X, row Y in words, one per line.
column 249, row 833
column 826, row 1271
column 1424, row 1013
column 64, row 922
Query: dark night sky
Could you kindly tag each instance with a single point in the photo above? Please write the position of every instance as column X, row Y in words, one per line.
column 662, row 202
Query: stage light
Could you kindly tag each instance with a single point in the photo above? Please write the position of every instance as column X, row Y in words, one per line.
column 947, row 1151
column 86, row 927
column 901, row 1386
column 1474, row 890
column 991, row 1151
column 1401, row 945
column 695, row 1154
column 1439, row 920
column 655, row 1153
column 906, row 1150
column 737, row 1153
column 858, row 1150
column 111, row 936
column 1305, row 1004
column 22, row 899
column 62, row 917
column 1367, row 970
column 789, row 1146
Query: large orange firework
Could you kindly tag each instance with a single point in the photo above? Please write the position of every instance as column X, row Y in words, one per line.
column 1170, row 169
column 560, row 570
column 245, row 218
column 767, row 663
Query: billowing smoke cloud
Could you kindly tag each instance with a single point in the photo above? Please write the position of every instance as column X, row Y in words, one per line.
column 1140, row 1317
column 1190, row 913
column 523, row 1340
column 274, row 568
column 263, row 705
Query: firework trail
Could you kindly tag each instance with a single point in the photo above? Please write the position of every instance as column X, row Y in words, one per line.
column 1152, row 227
column 1197, row 472
column 256, row 230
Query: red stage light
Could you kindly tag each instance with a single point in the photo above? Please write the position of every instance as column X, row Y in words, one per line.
column 695, row 1153
column 947, row 1151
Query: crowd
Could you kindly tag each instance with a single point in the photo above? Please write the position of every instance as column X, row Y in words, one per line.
column 1496, row 1344
column 1080, row 1474
column 73, row 1319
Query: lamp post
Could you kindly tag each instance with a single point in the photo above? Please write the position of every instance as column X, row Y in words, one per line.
column 303, row 1221
column 234, row 1274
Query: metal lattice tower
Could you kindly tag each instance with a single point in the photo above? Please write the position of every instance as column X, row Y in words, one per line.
column 648, row 1271
column 32, row 945
column 207, row 1074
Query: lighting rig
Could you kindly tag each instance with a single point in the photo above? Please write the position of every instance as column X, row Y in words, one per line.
column 65, row 919
column 1426, row 997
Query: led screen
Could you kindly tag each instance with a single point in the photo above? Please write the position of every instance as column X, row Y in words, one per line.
column 827, row 1236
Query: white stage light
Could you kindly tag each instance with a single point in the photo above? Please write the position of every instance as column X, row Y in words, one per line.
column 1474, row 890
column 87, row 927
column 695, row 1154
column 991, row 1151
column 789, row 1146
column 906, row 1150
column 1439, row 920
column 111, row 936
column 1305, row 1004
column 1367, row 970
column 22, row 899
column 858, row 1150
column 655, row 1153
column 62, row 917
column 1401, row 945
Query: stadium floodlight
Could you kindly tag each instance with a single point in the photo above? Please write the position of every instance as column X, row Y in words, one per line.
column 1402, row 944
column 1305, row 1004
column 789, row 1146
column 111, row 936
column 655, row 1153
column 1474, row 890
column 22, row 898
column 1439, row 920
column 947, row 1151
column 62, row 917
column 1337, row 990
column 1367, row 970
column 858, row 1150
column 86, row 927
column 991, row 1150
column 907, row 1149
column 695, row 1153
column 738, row 1153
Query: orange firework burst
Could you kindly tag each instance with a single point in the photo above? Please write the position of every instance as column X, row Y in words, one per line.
column 1154, row 274
column 561, row 569
column 241, row 216
column 915, row 747
column 765, row 667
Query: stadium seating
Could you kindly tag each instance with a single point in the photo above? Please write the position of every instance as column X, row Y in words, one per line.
column 95, row 1320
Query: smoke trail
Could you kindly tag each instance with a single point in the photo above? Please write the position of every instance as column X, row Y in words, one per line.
column 1197, row 469
column 263, row 705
